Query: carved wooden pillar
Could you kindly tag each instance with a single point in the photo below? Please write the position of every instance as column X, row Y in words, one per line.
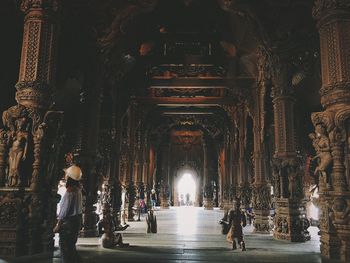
column 287, row 219
column 89, row 150
column 261, row 191
column 233, row 155
column 145, row 168
column 234, row 191
column 165, row 186
column 29, row 143
column 225, row 176
column 131, row 185
column 116, row 193
column 208, row 187
column 245, row 191
column 331, row 139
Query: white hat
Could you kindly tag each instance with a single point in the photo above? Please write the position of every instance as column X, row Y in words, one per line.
column 73, row 172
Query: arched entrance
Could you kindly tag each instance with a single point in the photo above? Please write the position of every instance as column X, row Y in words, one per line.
column 186, row 189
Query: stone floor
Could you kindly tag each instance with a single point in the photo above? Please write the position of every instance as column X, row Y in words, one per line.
column 188, row 234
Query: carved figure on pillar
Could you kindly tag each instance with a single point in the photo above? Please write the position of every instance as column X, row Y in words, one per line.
column 18, row 151
column 4, row 142
column 321, row 143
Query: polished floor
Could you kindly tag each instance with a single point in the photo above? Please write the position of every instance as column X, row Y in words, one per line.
column 188, row 234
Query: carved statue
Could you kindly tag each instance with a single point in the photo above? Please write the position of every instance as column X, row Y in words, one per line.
column 284, row 226
column 276, row 180
column 321, row 143
column 18, row 151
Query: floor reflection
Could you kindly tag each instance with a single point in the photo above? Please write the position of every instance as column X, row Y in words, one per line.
column 187, row 220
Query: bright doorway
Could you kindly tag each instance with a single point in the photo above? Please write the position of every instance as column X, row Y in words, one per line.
column 186, row 190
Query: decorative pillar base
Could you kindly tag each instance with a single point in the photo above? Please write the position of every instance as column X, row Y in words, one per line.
column 165, row 196
column 89, row 218
column 89, row 225
column 208, row 204
column 20, row 234
column 288, row 224
column 261, row 221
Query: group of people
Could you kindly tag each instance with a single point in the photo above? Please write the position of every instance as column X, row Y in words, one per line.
column 186, row 201
column 153, row 198
column 70, row 217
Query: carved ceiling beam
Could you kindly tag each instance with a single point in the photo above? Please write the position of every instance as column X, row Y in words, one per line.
column 195, row 101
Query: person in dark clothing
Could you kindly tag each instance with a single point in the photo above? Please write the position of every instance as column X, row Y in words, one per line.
column 237, row 220
column 69, row 217
column 187, row 199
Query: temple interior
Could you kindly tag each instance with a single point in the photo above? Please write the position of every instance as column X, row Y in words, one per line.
column 197, row 105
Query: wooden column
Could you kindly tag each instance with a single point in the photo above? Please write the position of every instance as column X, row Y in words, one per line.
column 89, row 150
column 261, row 191
column 288, row 223
column 131, row 186
column 331, row 137
column 165, row 186
column 28, row 140
column 245, row 191
column 208, row 187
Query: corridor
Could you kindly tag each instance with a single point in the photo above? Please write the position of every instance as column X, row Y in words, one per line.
column 192, row 234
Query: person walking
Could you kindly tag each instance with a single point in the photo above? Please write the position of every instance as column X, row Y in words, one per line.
column 69, row 216
column 237, row 220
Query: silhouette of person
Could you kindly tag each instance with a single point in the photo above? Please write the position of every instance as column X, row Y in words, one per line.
column 187, row 199
column 237, row 220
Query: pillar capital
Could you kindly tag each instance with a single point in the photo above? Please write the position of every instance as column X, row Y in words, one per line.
column 326, row 10
column 34, row 5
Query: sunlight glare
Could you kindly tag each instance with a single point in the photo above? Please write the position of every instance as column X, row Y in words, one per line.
column 187, row 186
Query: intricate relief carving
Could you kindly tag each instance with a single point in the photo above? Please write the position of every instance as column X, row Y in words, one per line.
column 187, row 71
column 321, row 143
column 282, row 225
column 261, row 198
column 4, row 142
column 280, row 76
column 245, row 195
column 324, row 7
column 261, row 227
column 18, row 152
column 276, row 179
column 123, row 17
column 341, row 211
column 9, row 210
column 26, row 5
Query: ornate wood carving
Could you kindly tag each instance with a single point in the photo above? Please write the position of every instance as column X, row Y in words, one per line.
column 330, row 139
column 37, row 68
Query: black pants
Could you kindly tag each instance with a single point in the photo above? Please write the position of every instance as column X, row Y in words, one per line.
column 69, row 232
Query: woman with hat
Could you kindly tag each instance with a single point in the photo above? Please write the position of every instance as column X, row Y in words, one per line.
column 69, row 216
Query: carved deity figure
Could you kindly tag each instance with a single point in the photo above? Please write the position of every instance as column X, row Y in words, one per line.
column 321, row 143
column 276, row 181
column 18, row 151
